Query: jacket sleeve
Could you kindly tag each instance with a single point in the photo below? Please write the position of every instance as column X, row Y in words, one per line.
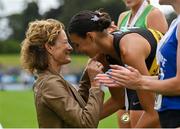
column 58, row 99
column 84, row 86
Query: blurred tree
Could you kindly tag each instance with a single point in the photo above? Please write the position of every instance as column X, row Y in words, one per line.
column 70, row 7
column 19, row 22
column 53, row 13
column 114, row 8
column 9, row 46
column 16, row 23
column 67, row 8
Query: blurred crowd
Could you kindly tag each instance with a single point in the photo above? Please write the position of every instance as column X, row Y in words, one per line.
column 14, row 78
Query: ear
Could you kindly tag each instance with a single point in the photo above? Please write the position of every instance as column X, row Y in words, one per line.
column 49, row 48
column 91, row 35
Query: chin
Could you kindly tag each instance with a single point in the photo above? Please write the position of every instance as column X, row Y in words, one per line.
column 130, row 4
column 68, row 60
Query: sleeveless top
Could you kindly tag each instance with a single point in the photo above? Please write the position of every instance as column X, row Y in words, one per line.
column 141, row 21
column 153, row 38
column 168, row 67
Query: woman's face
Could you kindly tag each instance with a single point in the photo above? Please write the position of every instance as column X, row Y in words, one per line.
column 84, row 45
column 61, row 50
column 132, row 3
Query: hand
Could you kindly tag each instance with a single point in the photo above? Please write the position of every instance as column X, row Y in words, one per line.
column 93, row 68
column 112, row 27
column 106, row 80
column 102, row 59
column 127, row 77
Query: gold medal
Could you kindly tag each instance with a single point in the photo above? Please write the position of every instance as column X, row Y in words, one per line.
column 125, row 118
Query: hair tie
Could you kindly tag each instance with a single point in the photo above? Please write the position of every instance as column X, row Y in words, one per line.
column 95, row 18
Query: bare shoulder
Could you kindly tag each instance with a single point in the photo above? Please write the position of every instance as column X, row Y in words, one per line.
column 121, row 16
column 155, row 12
column 152, row 18
column 132, row 42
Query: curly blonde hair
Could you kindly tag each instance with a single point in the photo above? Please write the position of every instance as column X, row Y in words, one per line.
column 33, row 52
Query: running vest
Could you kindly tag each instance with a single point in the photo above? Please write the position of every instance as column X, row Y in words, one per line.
column 168, row 67
column 141, row 21
column 153, row 38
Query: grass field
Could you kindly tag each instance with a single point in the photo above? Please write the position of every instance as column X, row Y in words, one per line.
column 10, row 60
column 17, row 110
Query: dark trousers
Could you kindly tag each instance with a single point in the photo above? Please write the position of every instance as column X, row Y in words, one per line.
column 170, row 118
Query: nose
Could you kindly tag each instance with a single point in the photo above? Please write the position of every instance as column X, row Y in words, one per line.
column 70, row 47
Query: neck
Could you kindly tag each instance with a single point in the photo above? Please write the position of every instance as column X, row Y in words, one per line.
column 53, row 66
column 107, row 46
column 135, row 8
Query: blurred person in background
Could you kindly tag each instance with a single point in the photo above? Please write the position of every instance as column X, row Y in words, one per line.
column 142, row 15
column 44, row 50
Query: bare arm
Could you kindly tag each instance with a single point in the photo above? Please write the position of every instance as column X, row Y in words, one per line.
column 151, row 77
column 170, row 86
column 161, row 25
column 114, row 103
column 137, row 60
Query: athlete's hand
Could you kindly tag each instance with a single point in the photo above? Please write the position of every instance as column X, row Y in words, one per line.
column 112, row 27
column 120, row 76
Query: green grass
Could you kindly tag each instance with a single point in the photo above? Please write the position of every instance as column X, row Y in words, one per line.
column 17, row 110
column 111, row 121
column 76, row 66
column 9, row 59
column 14, row 59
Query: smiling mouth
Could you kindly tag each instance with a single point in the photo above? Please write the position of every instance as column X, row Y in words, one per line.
column 68, row 52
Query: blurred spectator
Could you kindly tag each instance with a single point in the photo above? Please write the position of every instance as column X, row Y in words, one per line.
column 27, row 79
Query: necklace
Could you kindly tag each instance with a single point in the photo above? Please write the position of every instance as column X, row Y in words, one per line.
column 137, row 15
column 125, row 118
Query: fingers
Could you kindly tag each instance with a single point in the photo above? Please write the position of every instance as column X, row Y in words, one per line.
column 94, row 63
column 131, row 69
column 109, row 81
column 118, row 67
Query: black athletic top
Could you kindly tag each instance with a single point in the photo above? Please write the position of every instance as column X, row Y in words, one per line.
column 152, row 37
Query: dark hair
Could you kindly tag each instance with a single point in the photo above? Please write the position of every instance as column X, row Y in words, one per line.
column 87, row 21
